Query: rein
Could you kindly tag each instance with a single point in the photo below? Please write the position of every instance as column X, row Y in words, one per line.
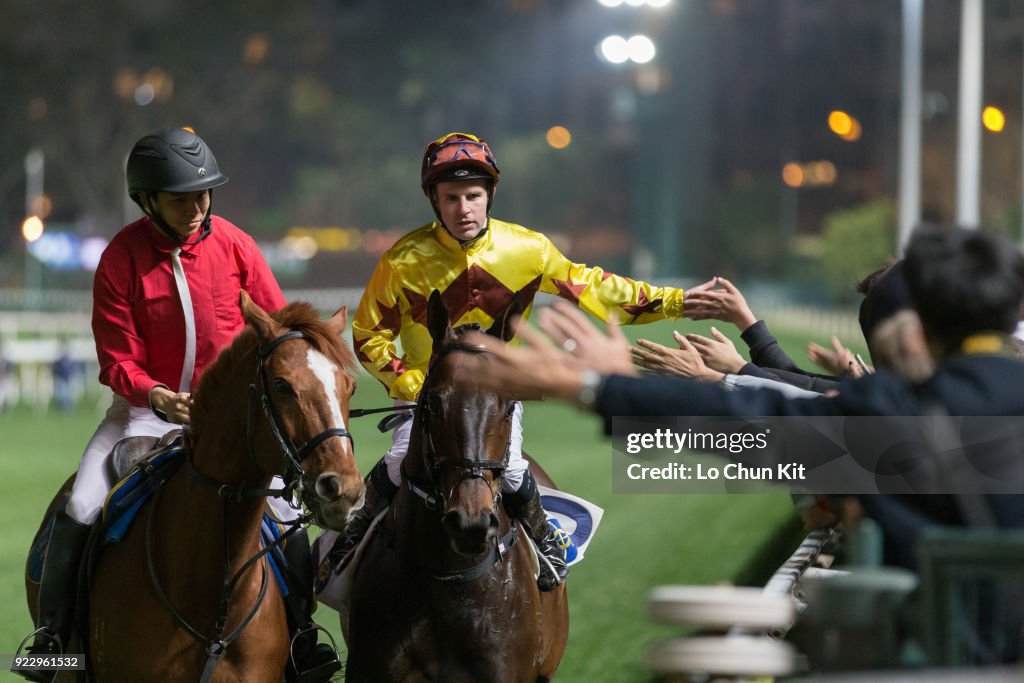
column 216, row 646
column 495, row 554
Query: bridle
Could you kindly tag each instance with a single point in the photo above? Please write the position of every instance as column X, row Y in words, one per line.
column 294, row 455
column 470, row 468
column 216, row 645
column 436, row 499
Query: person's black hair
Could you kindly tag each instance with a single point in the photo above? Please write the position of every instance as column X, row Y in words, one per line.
column 885, row 294
column 964, row 281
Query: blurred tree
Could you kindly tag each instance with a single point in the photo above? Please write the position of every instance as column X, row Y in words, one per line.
column 744, row 236
column 856, row 242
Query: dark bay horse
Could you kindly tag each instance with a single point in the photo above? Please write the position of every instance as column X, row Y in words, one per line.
column 446, row 589
column 188, row 573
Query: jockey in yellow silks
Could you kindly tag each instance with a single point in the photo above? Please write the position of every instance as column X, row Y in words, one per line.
column 477, row 281
column 477, row 263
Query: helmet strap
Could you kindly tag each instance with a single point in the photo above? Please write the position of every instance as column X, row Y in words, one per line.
column 432, row 195
column 165, row 228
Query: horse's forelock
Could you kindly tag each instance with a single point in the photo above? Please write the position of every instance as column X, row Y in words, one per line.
column 297, row 316
column 302, row 317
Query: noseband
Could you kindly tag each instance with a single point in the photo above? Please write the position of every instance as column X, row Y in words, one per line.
column 294, row 454
column 470, row 468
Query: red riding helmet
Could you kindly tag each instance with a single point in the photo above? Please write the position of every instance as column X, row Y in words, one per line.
column 457, row 156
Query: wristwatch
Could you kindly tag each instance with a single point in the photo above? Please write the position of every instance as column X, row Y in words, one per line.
column 590, row 385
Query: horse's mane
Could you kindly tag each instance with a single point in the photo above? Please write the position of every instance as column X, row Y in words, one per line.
column 305, row 318
column 299, row 316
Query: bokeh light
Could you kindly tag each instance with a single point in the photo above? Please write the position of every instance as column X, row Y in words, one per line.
column 32, row 229
column 840, row 123
column 615, row 49
column 793, row 174
column 855, row 131
column 559, row 137
column 993, row 119
column 641, row 49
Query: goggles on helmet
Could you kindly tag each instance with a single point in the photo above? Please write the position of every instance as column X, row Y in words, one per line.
column 458, row 156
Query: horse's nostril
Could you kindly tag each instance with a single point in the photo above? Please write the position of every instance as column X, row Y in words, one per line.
column 328, row 486
column 494, row 521
column 453, row 520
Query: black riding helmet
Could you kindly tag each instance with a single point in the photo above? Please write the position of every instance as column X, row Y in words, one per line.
column 172, row 160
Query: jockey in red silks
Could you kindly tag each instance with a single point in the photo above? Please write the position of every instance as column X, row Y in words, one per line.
column 165, row 302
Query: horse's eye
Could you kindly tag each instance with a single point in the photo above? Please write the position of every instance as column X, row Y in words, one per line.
column 282, row 387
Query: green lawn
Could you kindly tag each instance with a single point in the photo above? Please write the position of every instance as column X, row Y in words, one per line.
column 644, row 540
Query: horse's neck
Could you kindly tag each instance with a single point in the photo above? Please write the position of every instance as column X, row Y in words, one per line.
column 414, row 464
column 223, row 458
column 224, row 454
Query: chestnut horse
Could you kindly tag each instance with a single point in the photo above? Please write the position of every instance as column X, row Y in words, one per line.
column 187, row 594
column 446, row 588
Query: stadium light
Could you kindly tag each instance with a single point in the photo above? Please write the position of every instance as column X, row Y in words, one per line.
column 656, row 4
column 618, row 50
column 641, row 49
column 615, row 49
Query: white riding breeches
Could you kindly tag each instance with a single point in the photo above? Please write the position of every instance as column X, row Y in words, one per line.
column 93, row 482
column 517, row 464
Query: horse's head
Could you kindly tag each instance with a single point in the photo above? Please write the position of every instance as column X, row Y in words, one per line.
column 304, row 381
column 464, row 434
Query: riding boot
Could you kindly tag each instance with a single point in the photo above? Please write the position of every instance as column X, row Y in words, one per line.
column 525, row 504
column 309, row 661
column 57, row 590
column 379, row 492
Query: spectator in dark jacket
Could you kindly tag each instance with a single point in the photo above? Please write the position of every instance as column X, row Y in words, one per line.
column 967, row 287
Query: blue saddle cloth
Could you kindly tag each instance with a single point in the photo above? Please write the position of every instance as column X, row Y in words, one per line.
column 127, row 497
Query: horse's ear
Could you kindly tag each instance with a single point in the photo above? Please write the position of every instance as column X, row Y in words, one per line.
column 503, row 327
column 338, row 320
column 265, row 326
column 438, row 321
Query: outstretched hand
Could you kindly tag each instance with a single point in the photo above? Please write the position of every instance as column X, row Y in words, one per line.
column 550, row 365
column 718, row 299
column 838, row 360
column 719, row 353
column 685, row 361
column 587, row 347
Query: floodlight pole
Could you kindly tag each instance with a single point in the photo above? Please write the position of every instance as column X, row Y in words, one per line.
column 34, row 167
column 910, row 122
column 968, row 168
